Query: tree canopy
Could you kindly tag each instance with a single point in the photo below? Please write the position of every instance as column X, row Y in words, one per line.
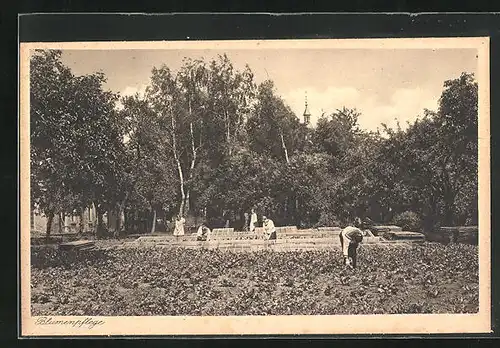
column 208, row 141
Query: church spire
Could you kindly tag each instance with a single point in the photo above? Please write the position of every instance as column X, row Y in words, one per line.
column 307, row 114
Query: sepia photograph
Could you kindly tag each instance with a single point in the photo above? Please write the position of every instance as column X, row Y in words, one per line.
column 232, row 187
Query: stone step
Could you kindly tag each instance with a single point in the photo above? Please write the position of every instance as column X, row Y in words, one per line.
column 216, row 231
column 77, row 245
column 403, row 235
column 286, row 229
column 230, row 235
column 385, row 228
column 454, row 234
column 329, row 229
column 233, row 242
column 282, row 247
column 459, row 229
column 242, row 236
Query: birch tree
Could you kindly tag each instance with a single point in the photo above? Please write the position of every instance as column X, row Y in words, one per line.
column 179, row 103
column 231, row 96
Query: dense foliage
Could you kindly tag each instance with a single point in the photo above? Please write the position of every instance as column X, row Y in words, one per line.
column 207, row 141
column 429, row 278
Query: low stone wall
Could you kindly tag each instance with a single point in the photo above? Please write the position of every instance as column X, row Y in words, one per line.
column 455, row 234
column 256, row 245
column 54, row 238
column 286, row 229
column 404, row 235
column 379, row 230
column 331, row 228
column 222, row 231
column 232, row 235
column 221, row 242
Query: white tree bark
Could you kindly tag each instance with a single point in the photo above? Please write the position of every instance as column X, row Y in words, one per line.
column 179, row 167
column 153, row 224
column 284, row 148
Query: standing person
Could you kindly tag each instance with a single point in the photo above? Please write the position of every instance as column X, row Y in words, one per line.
column 179, row 226
column 253, row 220
column 225, row 216
column 203, row 233
column 269, row 229
column 350, row 237
column 246, row 225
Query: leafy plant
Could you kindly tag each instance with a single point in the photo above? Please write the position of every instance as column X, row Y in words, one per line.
column 409, row 221
column 176, row 281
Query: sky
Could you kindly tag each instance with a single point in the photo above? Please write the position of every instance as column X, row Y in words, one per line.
column 384, row 85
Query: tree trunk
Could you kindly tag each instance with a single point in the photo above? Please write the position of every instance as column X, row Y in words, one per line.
column 228, row 132
column 430, row 216
column 121, row 208
column 98, row 227
column 101, row 229
column 93, row 207
column 121, row 212
column 284, row 148
column 82, row 220
column 179, row 167
column 153, row 222
column 114, row 220
column 187, row 204
column 194, row 151
column 60, row 221
column 183, row 201
column 297, row 217
column 118, row 223
column 110, row 221
column 50, row 219
column 136, row 221
column 285, row 210
column 448, row 209
column 126, row 222
column 193, row 159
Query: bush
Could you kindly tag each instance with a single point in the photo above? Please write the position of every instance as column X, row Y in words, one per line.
column 409, row 221
column 327, row 219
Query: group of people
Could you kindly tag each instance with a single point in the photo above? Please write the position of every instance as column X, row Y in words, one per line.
column 267, row 224
column 203, row 232
column 350, row 237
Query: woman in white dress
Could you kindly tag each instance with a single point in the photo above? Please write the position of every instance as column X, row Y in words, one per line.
column 253, row 220
column 179, row 226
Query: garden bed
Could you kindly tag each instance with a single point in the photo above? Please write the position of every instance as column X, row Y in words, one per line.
column 424, row 278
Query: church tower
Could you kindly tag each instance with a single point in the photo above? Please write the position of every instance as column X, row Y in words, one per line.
column 307, row 114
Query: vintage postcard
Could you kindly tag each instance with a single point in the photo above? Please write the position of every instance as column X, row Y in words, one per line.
column 258, row 187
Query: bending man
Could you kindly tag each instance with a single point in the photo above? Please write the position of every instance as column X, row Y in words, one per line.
column 350, row 237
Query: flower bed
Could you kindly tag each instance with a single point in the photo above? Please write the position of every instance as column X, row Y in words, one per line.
column 426, row 278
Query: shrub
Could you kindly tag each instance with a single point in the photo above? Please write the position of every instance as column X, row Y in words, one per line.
column 408, row 220
column 327, row 219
